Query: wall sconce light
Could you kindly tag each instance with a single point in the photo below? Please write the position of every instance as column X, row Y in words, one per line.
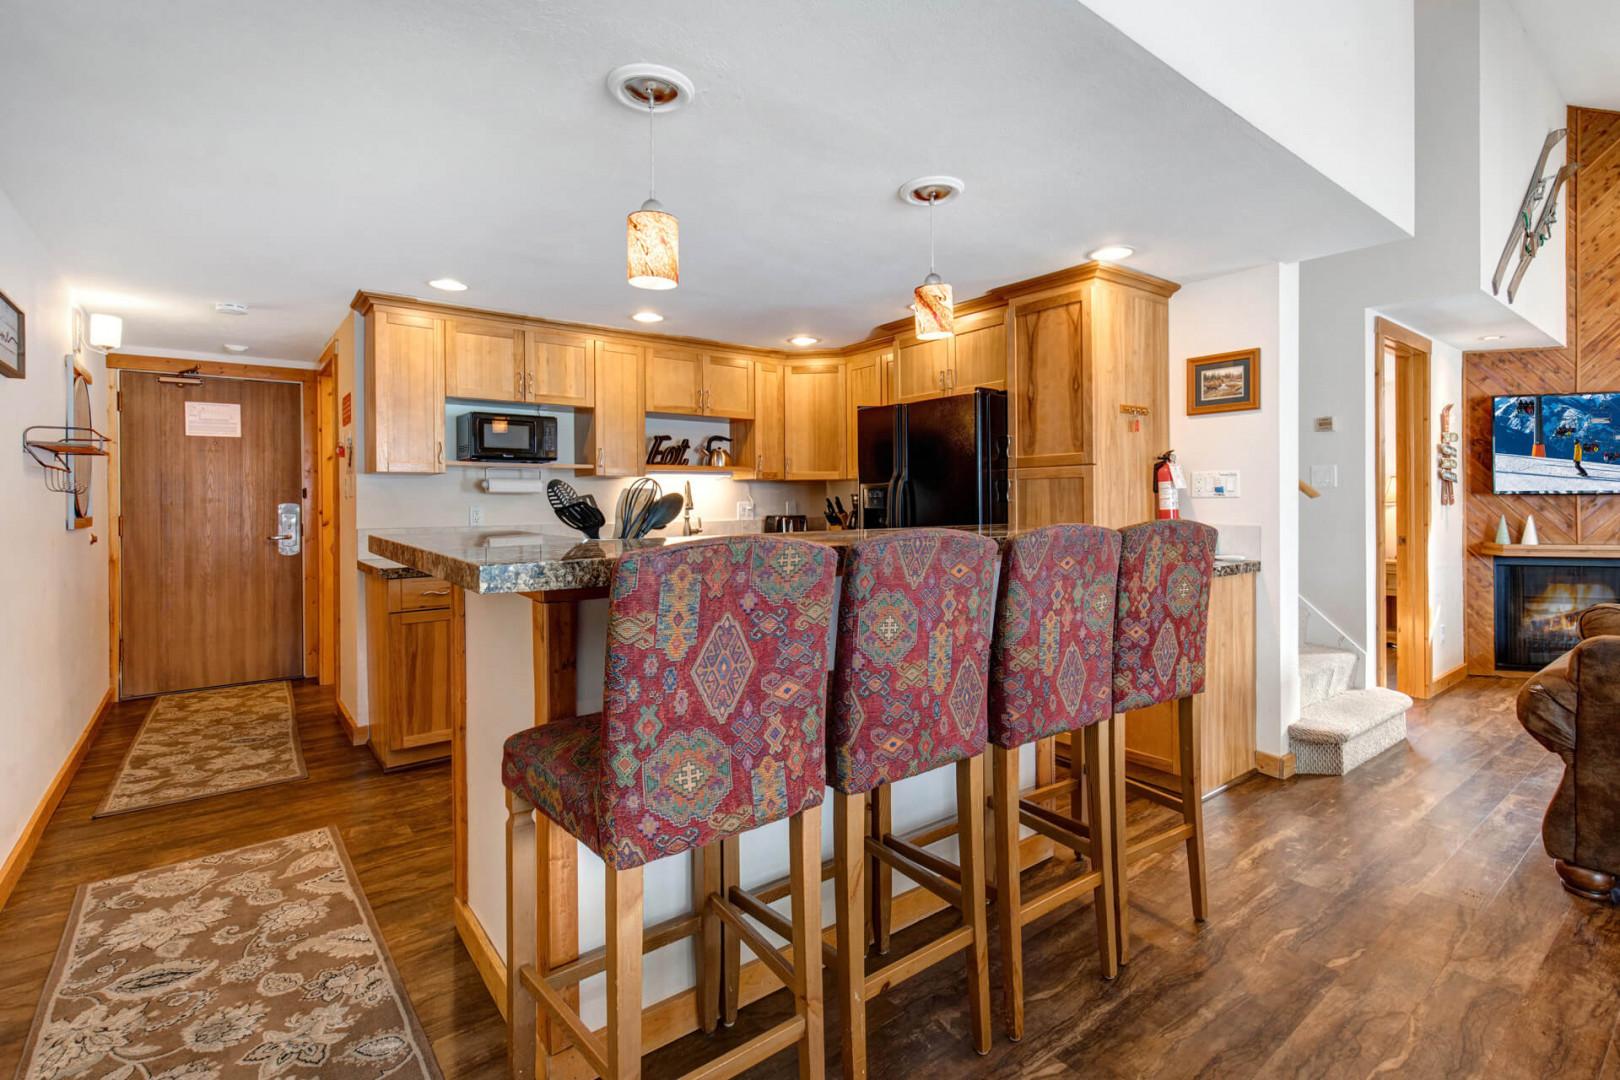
column 106, row 332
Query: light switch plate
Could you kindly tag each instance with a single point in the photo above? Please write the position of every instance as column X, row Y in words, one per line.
column 1324, row 476
column 745, row 511
column 1222, row 484
column 475, row 515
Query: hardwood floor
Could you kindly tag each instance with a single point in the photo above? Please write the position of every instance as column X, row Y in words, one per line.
column 1402, row 920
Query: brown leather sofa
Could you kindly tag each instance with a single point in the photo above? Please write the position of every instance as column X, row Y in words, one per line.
column 1572, row 707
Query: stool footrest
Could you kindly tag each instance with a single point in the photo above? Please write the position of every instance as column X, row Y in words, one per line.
column 1169, row 838
column 773, row 891
column 1058, row 895
column 1065, row 830
column 754, row 940
column 898, row 971
column 591, row 1048
column 594, row 962
column 941, row 886
column 742, row 1058
column 774, row 920
column 1154, row 792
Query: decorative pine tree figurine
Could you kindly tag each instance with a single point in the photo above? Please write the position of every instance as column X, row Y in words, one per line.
column 1502, row 536
column 1529, row 536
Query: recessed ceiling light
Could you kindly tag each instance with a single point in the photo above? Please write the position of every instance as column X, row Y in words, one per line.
column 802, row 340
column 647, row 316
column 230, row 307
column 448, row 284
column 1112, row 253
column 1492, row 337
column 236, row 348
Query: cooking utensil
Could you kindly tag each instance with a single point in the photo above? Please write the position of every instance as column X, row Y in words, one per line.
column 661, row 513
column 717, row 457
column 575, row 511
column 635, row 502
column 783, row 523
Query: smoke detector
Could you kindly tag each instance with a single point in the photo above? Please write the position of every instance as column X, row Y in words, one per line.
column 228, row 308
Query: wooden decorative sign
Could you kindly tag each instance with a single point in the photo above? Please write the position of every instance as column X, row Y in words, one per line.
column 1224, row 382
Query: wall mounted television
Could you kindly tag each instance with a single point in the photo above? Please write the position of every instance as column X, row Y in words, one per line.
column 1555, row 444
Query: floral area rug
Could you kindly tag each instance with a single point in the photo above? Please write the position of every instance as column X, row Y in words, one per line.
column 208, row 743
column 261, row 962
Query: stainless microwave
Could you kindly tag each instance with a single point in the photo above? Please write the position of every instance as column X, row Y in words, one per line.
column 489, row 436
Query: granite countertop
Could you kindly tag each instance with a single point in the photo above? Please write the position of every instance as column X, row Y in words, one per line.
column 386, row 569
column 511, row 560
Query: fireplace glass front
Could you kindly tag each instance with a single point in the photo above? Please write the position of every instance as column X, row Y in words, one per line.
column 1538, row 602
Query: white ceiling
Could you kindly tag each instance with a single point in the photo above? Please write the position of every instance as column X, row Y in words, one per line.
column 1579, row 40
column 175, row 154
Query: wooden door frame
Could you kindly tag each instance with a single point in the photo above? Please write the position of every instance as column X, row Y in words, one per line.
column 1413, row 650
column 327, row 509
column 117, row 364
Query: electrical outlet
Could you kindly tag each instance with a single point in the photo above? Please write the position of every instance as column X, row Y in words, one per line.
column 745, row 511
column 1215, row 485
column 475, row 515
column 792, row 507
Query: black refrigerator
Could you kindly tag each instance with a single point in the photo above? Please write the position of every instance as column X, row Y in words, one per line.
column 936, row 462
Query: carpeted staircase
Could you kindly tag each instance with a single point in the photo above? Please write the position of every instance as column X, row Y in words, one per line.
column 1339, row 728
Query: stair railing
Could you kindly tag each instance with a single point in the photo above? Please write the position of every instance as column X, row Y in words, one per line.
column 1311, row 611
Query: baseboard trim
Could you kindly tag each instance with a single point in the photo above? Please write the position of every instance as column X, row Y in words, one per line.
column 1448, row 680
column 11, row 872
column 1278, row 768
column 676, row 1016
column 359, row 734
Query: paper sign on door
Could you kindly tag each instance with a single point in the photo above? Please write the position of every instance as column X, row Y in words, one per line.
column 213, row 420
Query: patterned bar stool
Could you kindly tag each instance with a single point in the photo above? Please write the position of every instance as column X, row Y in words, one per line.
column 714, row 725
column 909, row 697
column 1160, row 631
column 1051, row 672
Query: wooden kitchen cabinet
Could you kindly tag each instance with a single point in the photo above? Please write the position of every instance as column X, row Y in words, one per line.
column 1050, row 414
column 692, row 383
column 867, row 382
column 921, row 368
column 760, row 454
column 1054, row 496
column 404, row 381
column 414, row 628
column 814, row 406
column 728, row 385
column 483, row 360
column 979, row 352
column 612, row 434
column 560, row 368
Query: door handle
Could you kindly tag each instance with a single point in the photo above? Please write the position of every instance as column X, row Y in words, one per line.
column 289, row 528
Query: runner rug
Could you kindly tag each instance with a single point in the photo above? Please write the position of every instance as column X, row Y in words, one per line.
column 209, row 743
column 261, row 962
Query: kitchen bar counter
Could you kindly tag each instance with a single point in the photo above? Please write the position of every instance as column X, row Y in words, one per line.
column 531, row 649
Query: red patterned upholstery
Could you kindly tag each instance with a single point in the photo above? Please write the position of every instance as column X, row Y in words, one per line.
column 1052, row 661
column 913, row 656
column 715, row 702
column 1162, row 621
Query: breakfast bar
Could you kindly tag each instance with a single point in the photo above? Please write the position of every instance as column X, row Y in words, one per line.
column 532, row 648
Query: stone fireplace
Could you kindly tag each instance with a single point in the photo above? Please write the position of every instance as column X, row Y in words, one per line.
column 1537, row 601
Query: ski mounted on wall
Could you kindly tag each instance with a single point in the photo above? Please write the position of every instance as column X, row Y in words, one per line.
column 1524, row 220
column 1543, row 230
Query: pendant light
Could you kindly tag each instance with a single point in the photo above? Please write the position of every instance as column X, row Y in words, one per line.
column 932, row 304
column 652, row 234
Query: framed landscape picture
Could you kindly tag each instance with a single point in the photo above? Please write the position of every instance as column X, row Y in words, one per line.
column 13, row 352
column 1224, row 382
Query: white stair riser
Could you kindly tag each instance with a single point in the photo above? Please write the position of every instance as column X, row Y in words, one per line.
column 1336, row 759
column 1324, row 674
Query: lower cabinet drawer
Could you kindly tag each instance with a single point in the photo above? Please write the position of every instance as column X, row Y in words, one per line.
column 418, row 594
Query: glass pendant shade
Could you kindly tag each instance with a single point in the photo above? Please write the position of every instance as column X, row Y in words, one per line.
column 934, row 309
column 653, row 239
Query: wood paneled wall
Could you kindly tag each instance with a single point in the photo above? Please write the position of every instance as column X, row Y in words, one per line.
column 1590, row 362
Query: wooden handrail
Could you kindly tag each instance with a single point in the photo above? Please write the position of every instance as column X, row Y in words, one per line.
column 1308, row 491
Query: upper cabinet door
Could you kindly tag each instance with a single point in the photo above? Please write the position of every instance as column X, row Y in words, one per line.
column 921, row 369
column 980, row 353
column 867, row 379
column 728, row 385
column 618, row 422
column 766, row 441
column 674, row 380
column 561, row 368
column 1051, row 384
column 404, row 392
column 814, row 403
column 483, row 360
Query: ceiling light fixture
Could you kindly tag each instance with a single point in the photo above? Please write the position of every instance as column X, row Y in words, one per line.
column 934, row 308
column 1492, row 337
column 230, row 307
column 802, row 340
column 448, row 284
column 106, row 332
column 1112, row 253
column 647, row 317
column 235, row 348
column 652, row 234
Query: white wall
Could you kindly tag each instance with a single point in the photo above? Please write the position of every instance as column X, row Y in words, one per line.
column 1329, row 81
column 53, row 625
column 1253, row 308
column 1447, row 524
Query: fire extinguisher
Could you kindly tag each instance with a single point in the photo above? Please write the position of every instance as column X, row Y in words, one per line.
column 1164, row 486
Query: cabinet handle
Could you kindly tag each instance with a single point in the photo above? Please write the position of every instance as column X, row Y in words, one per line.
column 441, row 453
column 435, row 592
column 600, row 459
column 950, row 379
column 530, row 378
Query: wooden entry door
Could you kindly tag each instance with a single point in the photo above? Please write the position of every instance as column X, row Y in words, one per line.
column 207, row 598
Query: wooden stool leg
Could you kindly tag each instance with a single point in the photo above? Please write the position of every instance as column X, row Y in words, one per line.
column 1116, row 791
column 1099, row 814
column 623, row 929
column 849, row 861
column 705, row 883
column 880, row 877
column 804, row 886
column 1009, row 921
column 970, row 833
column 1192, row 805
column 522, row 875
column 730, row 869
